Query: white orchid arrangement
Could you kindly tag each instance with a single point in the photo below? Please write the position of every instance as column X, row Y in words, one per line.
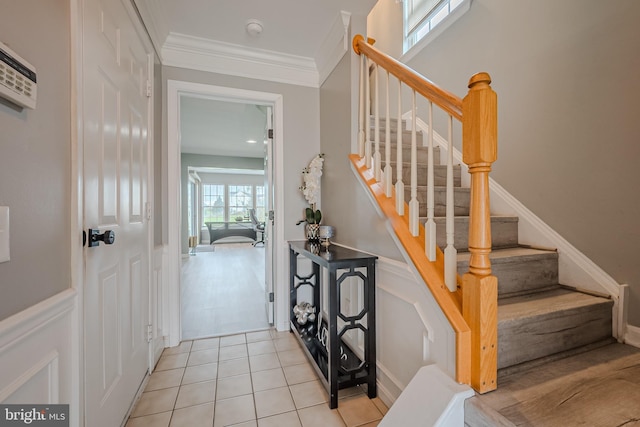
column 311, row 189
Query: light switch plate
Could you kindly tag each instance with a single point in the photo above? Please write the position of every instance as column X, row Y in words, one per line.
column 4, row 234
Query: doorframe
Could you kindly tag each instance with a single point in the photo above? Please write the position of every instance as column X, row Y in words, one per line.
column 176, row 89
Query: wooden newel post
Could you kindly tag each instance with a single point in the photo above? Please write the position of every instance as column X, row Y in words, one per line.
column 479, row 287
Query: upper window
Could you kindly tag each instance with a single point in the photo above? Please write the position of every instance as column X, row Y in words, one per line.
column 421, row 17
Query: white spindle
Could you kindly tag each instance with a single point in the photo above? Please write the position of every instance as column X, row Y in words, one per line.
column 413, row 204
column 388, row 170
column 399, row 183
column 367, row 127
column 430, row 225
column 363, row 115
column 450, row 252
column 377, row 158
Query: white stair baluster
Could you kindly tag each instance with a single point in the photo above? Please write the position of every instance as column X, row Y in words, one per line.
column 414, row 206
column 430, row 225
column 388, row 170
column 367, row 128
column 377, row 158
column 399, row 182
column 363, row 114
column 450, row 252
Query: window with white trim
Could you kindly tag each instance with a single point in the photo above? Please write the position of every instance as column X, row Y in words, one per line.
column 421, row 17
column 229, row 202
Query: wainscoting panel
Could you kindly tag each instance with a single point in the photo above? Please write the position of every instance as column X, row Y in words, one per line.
column 36, row 353
column 412, row 331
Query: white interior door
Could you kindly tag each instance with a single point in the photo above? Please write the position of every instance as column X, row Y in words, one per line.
column 269, row 240
column 115, row 140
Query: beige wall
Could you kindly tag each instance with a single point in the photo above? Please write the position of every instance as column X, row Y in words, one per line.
column 566, row 74
column 35, row 157
column 301, row 132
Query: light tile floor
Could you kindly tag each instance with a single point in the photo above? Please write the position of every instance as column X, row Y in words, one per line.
column 257, row 379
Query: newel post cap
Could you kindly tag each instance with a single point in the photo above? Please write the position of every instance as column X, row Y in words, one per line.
column 478, row 80
column 480, row 121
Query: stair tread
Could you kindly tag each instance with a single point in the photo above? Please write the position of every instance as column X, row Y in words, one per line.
column 545, row 302
column 465, row 218
column 574, row 391
column 504, row 254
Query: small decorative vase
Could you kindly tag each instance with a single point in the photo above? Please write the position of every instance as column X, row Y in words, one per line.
column 313, row 232
column 325, row 233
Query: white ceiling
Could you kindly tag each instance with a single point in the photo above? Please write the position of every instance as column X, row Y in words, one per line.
column 221, row 128
column 294, row 27
column 291, row 28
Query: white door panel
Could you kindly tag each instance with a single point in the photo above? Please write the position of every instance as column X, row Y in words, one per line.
column 116, row 147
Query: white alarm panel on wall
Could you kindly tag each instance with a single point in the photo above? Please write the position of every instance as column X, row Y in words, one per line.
column 17, row 79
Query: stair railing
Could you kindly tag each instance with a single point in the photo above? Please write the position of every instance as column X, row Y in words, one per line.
column 469, row 302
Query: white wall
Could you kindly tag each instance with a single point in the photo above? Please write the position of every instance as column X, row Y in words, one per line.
column 566, row 77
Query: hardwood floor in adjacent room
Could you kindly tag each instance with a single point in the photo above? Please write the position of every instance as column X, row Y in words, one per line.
column 223, row 291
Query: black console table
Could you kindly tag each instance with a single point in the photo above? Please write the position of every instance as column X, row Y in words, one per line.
column 333, row 359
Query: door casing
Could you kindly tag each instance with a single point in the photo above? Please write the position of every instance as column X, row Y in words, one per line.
column 175, row 89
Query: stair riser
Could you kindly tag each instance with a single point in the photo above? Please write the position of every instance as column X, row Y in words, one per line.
column 460, row 200
column 422, row 154
column 504, row 233
column 406, row 137
column 517, row 275
column 529, row 338
column 393, row 122
column 439, row 174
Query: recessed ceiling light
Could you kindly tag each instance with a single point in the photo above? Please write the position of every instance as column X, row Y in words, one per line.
column 251, row 141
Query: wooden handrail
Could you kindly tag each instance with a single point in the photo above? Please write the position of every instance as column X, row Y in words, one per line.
column 449, row 102
column 472, row 308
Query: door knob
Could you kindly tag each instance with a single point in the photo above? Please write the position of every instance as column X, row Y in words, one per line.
column 95, row 237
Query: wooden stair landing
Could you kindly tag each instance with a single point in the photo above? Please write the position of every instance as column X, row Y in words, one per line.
column 597, row 388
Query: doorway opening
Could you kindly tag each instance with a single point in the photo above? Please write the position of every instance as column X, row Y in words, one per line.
column 210, row 196
column 223, row 277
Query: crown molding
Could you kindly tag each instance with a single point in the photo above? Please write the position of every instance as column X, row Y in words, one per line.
column 334, row 46
column 184, row 51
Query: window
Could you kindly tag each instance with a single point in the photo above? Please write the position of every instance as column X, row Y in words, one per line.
column 213, row 203
column 227, row 202
column 240, row 201
column 422, row 16
column 191, row 206
column 261, row 205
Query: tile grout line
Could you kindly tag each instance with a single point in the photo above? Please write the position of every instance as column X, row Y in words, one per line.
column 253, row 392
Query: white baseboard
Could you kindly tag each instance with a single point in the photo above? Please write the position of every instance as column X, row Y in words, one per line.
column 632, row 336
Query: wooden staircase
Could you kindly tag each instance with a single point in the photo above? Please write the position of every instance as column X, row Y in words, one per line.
column 514, row 323
column 537, row 317
column 539, row 320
